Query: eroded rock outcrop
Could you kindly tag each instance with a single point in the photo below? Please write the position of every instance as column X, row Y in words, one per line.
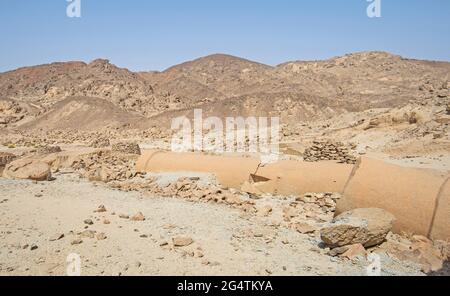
column 28, row 169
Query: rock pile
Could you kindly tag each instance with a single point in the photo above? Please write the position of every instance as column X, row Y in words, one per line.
column 6, row 158
column 128, row 148
column 48, row 150
column 100, row 143
column 106, row 166
column 328, row 150
column 419, row 249
column 315, row 208
column 192, row 190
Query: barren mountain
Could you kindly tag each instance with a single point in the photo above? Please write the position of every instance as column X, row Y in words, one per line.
column 302, row 90
column 224, row 85
column 48, row 84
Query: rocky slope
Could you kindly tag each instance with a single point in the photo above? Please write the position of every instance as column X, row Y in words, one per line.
column 298, row 91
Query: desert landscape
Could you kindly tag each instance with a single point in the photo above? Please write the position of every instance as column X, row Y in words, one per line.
column 361, row 185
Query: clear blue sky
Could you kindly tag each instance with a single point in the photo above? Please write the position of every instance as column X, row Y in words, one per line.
column 155, row 34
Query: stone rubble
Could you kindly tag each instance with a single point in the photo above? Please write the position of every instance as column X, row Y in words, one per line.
column 127, row 148
column 328, row 150
column 100, row 143
column 47, row 149
column 431, row 255
column 6, row 158
column 106, row 166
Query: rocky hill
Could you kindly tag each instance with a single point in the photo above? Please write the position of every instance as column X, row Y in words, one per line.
column 224, row 85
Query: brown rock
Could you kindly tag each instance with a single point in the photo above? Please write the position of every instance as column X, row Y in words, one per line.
column 101, row 209
column 444, row 248
column 290, row 212
column 57, row 237
column 138, row 217
column 232, row 199
column 368, row 227
column 430, row 258
column 88, row 234
column 265, row 211
column 28, row 169
column 77, row 242
column 182, row 241
column 355, row 251
column 338, row 251
column 305, row 228
column 101, row 236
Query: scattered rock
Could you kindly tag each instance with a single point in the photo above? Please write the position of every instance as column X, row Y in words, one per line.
column 338, row 251
column 252, row 189
column 123, row 216
column 420, row 250
column 88, row 234
column 57, row 237
column 305, row 228
column 77, row 242
column 368, row 227
column 182, row 241
column 101, row 209
column 444, row 248
column 138, row 217
column 101, row 236
column 33, row 247
column 88, row 222
column 265, row 211
column 355, row 251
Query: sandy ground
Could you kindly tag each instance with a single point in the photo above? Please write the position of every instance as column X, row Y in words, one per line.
column 226, row 242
